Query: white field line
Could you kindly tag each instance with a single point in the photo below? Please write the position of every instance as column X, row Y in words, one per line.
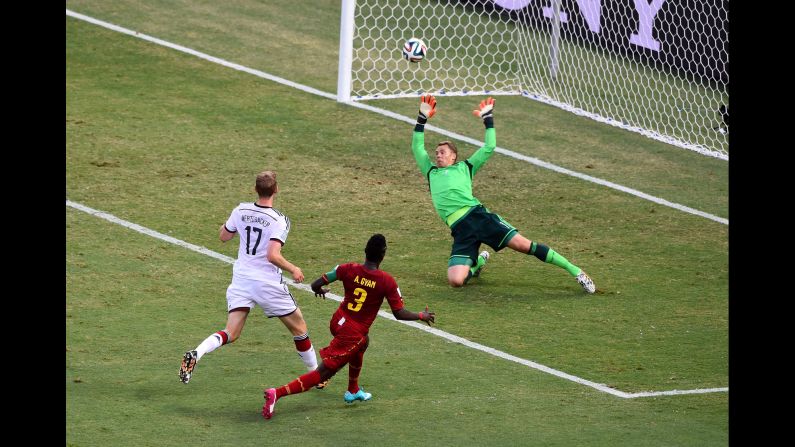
column 396, row 116
column 447, row 336
column 201, row 55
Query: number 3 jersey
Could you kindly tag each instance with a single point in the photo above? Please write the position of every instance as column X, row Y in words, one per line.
column 256, row 226
column 365, row 291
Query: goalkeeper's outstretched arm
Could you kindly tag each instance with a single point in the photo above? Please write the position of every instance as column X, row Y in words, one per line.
column 427, row 110
column 485, row 111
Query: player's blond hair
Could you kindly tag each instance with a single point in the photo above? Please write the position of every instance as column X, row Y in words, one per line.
column 266, row 184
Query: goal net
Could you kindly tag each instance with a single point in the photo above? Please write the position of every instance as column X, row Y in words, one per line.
column 656, row 67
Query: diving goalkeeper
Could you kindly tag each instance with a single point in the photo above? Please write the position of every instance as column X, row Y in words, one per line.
column 471, row 224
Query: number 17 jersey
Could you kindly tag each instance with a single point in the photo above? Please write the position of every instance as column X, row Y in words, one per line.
column 257, row 225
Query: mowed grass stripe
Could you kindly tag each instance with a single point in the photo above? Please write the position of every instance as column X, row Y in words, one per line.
column 134, row 302
column 507, row 152
column 212, row 121
column 166, row 140
column 439, row 333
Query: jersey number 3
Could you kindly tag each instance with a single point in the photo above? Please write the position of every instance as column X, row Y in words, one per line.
column 362, row 295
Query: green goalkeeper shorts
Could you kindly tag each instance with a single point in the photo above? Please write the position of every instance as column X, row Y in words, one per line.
column 480, row 226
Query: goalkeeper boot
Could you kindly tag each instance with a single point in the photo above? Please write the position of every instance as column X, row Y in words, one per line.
column 586, row 282
column 482, row 258
column 359, row 395
column 186, row 368
column 270, row 403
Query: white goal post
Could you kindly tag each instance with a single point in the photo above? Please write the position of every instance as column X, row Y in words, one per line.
column 656, row 67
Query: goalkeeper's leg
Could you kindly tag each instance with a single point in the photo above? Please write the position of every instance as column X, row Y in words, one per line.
column 464, row 259
column 550, row 256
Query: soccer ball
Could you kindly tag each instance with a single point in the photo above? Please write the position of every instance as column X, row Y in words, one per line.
column 414, row 50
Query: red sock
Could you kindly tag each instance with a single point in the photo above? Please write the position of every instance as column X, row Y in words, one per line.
column 354, row 369
column 302, row 344
column 299, row 385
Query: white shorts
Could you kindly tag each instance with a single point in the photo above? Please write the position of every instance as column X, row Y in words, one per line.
column 274, row 298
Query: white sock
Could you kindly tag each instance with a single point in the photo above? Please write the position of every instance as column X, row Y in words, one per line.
column 309, row 359
column 209, row 344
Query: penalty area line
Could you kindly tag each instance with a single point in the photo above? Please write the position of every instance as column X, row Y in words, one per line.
column 439, row 333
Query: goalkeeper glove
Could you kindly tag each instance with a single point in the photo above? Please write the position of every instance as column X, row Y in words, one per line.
column 486, row 111
column 427, row 108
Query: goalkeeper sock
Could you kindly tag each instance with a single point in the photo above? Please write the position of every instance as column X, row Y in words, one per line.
column 211, row 343
column 550, row 256
column 474, row 269
column 299, row 385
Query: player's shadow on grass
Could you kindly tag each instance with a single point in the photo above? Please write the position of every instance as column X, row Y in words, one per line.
column 489, row 294
column 248, row 409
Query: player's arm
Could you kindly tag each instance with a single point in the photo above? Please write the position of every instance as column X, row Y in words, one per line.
column 228, row 229
column 405, row 314
column 225, row 234
column 275, row 257
column 325, row 279
column 395, row 300
column 485, row 111
column 427, row 110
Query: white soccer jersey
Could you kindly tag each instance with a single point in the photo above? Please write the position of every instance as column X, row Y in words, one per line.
column 256, row 226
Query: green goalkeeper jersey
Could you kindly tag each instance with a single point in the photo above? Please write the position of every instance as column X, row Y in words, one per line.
column 451, row 187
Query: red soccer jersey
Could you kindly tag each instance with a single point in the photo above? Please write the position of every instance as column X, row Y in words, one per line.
column 365, row 291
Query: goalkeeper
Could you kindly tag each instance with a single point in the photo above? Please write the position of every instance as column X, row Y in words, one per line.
column 471, row 224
